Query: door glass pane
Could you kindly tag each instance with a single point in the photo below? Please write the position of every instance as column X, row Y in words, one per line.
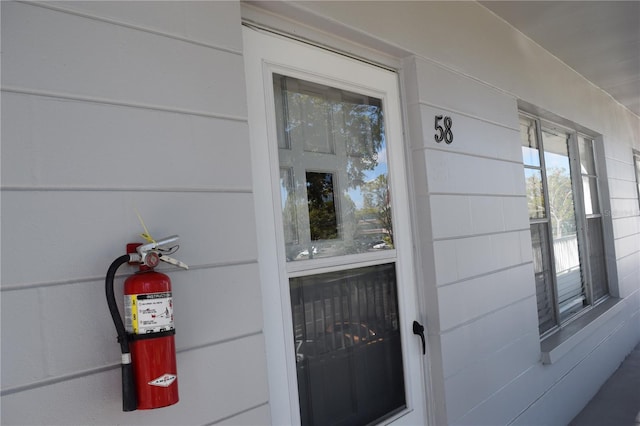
column 348, row 351
column 287, row 197
column 333, row 144
column 322, row 207
column 571, row 295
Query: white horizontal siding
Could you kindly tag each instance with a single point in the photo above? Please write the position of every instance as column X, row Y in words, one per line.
column 109, row 107
column 62, row 53
column 451, row 173
column 258, row 416
column 58, row 143
column 532, row 397
column 474, row 136
column 455, row 216
column 468, row 344
column 481, row 380
column 440, row 88
column 463, row 258
column 75, row 316
column 79, row 233
column 474, row 220
column 469, row 300
column 215, row 382
column 23, row 340
column 627, row 246
column 621, row 208
column 568, row 385
column 629, row 225
column 171, row 19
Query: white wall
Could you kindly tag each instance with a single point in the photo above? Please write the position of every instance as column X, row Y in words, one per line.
column 108, row 107
column 458, row 59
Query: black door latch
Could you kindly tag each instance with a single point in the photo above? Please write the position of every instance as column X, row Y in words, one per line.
column 418, row 329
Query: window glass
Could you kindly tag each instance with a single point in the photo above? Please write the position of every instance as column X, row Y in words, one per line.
column 543, row 273
column 570, row 291
column 587, row 163
column 322, row 208
column 589, row 178
column 590, row 193
column 596, row 258
column 287, row 197
column 348, row 348
column 556, row 157
column 636, row 160
column 568, row 244
column 535, row 194
column 334, row 176
column 309, row 116
column 530, row 152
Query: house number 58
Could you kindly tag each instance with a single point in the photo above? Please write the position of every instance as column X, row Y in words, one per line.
column 443, row 133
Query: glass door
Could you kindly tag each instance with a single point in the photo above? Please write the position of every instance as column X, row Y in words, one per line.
column 327, row 140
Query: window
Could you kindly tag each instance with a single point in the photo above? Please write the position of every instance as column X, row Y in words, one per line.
column 565, row 220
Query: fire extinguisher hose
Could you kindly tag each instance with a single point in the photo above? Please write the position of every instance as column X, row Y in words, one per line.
column 129, row 400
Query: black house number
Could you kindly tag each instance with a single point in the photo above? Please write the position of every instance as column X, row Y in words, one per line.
column 443, row 133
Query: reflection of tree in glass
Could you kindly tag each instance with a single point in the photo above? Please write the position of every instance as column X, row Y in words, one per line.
column 355, row 119
column 364, row 132
column 563, row 219
column 340, row 136
column 535, row 199
column 289, row 210
column 322, row 211
column 561, row 206
column 377, row 201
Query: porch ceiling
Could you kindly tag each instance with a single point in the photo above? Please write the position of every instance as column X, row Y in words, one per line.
column 598, row 39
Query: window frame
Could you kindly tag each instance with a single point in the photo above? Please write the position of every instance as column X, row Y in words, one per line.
column 582, row 218
column 636, row 168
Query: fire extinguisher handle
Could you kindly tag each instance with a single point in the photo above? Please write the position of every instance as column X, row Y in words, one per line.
column 129, row 401
column 173, row 261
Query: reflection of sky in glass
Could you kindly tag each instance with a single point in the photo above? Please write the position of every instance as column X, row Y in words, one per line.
column 284, row 186
column 356, row 194
column 530, row 156
column 555, row 161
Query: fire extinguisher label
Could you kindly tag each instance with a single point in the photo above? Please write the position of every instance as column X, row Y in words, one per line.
column 148, row 313
column 163, row 381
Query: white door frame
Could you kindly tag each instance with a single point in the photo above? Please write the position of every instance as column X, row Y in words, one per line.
column 264, row 54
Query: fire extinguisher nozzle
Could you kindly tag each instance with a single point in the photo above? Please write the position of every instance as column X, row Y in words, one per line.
column 129, row 400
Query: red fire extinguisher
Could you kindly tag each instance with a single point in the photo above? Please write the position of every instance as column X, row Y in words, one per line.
column 146, row 337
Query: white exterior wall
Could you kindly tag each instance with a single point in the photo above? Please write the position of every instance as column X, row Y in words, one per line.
column 108, row 107
column 471, row 216
column 111, row 106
